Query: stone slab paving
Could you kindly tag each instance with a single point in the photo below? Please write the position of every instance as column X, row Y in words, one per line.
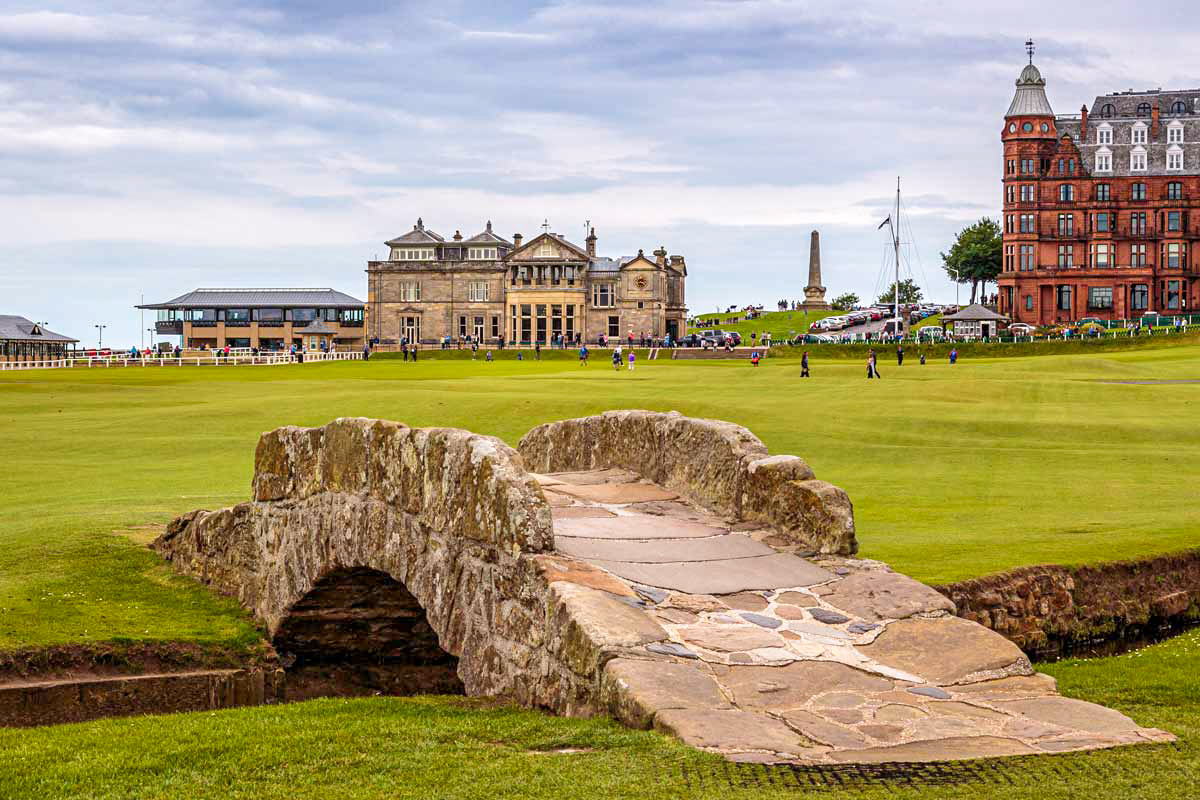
column 736, row 646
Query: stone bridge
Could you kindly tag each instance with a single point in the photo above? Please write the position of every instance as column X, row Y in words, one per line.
column 665, row 570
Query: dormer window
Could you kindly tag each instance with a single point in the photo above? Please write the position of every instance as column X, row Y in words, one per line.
column 1175, row 133
column 1104, row 134
column 1143, row 109
column 412, row 254
column 1103, row 161
column 1175, row 159
column 481, row 254
column 1139, row 134
column 1108, row 111
column 1137, row 160
column 1178, row 107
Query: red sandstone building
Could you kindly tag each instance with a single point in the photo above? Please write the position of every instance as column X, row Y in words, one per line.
column 1098, row 206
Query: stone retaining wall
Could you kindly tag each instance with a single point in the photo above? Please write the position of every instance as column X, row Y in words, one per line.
column 50, row 702
column 721, row 466
column 1050, row 610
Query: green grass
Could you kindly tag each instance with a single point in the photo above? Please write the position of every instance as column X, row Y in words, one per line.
column 449, row 748
column 781, row 325
column 955, row 472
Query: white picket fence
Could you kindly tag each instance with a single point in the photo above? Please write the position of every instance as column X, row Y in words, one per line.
column 215, row 359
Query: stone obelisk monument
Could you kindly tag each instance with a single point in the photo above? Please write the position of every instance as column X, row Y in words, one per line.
column 814, row 292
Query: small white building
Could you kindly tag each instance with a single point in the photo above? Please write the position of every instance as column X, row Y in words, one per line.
column 975, row 322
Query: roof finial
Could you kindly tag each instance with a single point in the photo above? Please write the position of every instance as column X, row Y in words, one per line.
column 1029, row 48
column 546, row 225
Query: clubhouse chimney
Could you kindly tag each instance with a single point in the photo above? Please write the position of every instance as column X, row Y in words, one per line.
column 1083, row 125
column 591, row 243
column 516, row 241
column 660, row 256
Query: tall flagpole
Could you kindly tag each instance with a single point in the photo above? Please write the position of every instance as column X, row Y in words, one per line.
column 896, row 246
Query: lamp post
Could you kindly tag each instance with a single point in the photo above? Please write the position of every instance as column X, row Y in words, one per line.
column 100, row 338
column 151, row 332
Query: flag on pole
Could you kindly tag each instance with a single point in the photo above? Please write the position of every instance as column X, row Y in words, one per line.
column 887, row 221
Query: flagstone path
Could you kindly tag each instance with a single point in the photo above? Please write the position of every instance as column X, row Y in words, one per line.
column 772, row 656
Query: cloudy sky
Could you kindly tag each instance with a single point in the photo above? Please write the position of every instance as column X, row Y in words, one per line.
column 150, row 148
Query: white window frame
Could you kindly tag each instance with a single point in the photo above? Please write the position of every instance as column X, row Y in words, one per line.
column 1102, row 255
column 610, row 289
column 478, row 291
column 1175, row 159
column 545, row 249
column 1138, row 159
column 1138, row 134
column 481, row 254
column 409, row 291
column 1175, row 133
column 1104, row 160
column 1104, row 134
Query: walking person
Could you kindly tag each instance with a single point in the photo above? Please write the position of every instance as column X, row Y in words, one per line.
column 872, row 366
column 583, row 355
column 804, row 365
column 899, row 355
column 537, row 350
column 616, row 358
column 954, row 355
column 414, row 352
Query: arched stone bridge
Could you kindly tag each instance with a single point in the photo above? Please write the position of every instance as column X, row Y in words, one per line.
column 662, row 569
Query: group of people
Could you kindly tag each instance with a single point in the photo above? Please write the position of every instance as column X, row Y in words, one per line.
column 873, row 361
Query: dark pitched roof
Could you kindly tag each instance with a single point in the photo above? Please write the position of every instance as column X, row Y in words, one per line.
column 487, row 237
column 260, row 298
column 418, row 235
column 972, row 313
column 14, row 328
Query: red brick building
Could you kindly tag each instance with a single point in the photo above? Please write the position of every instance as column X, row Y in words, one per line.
column 1101, row 209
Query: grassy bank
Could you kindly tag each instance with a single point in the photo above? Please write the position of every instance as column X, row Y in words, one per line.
column 450, row 748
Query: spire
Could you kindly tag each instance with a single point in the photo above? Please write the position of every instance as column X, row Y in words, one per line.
column 1030, row 98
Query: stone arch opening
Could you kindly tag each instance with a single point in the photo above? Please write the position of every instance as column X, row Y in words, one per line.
column 359, row 631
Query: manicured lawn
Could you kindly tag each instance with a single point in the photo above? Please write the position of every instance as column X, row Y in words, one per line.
column 782, row 325
column 450, row 748
column 954, row 471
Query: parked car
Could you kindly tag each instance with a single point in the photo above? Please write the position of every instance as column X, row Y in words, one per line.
column 930, row 333
column 1021, row 329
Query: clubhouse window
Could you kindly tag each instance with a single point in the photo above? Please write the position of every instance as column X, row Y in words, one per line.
column 604, row 295
column 614, row 326
column 408, row 291
column 1100, row 297
column 1173, row 295
column 1026, row 258
column 1139, row 297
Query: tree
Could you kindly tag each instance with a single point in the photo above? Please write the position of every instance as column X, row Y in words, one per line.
column 976, row 255
column 844, row 302
column 909, row 293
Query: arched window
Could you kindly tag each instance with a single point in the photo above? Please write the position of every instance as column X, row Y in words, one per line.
column 1143, row 109
column 1178, row 107
column 1108, row 111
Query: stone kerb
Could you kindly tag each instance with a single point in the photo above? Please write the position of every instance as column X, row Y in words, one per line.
column 720, row 465
column 452, row 515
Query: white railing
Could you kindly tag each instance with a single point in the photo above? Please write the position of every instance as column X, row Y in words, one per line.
column 212, row 359
column 55, row 363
